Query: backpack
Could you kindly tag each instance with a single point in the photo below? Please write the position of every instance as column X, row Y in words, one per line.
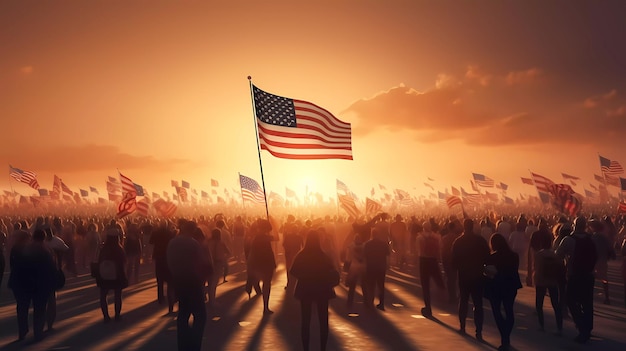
column 584, row 257
column 108, row 270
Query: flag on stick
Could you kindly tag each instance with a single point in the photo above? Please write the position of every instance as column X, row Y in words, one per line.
column 26, row 177
column 251, row 190
column 297, row 129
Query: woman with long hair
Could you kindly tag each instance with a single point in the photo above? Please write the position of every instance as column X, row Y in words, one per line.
column 316, row 276
column 111, row 273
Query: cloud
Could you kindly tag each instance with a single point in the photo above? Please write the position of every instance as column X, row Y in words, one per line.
column 515, row 108
column 82, row 158
column 596, row 100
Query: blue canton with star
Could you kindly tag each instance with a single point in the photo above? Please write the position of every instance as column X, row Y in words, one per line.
column 274, row 109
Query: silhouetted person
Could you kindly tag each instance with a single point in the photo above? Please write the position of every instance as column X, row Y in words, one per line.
column 377, row 253
column 605, row 251
column 355, row 255
column 429, row 254
column 292, row 244
column 160, row 238
column 219, row 253
column 111, row 273
column 469, row 254
column 261, row 261
column 503, row 282
column 133, row 250
column 189, row 266
column 455, row 229
column 548, row 273
column 581, row 255
column 316, row 277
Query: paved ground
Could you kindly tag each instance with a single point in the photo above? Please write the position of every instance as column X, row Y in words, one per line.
column 238, row 324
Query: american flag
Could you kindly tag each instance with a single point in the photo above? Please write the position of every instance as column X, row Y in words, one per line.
column 455, row 191
column 204, row 194
column 569, row 177
column 83, row 193
column 610, row 167
column 482, row 180
column 142, row 207
column 174, row 183
column 297, row 129
column 589, row 193
column 598, row 178
column 164, row 208
column 347, row 203
column 185, row 184
column 22, row 176
column 127, row 185
column 527, row 181
column 542, row 183
column 289, row 192
column 127, row 206
column 113, row 187
column 250, row 190
column 182, row 193
column 453, row 201
column 342, row 187
column 372, row 206
column 214, row 182
column 276, row 197
column 93, row 190
column 382, row 187
column 613, row 181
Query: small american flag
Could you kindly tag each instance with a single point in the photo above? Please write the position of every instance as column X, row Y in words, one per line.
column 297, row 129
column 347, row 203
column 250, row 190
column 27, row 177
column 453, row 201
column 164, row 208
column 372, row 206
column 482, row 180
column 215, row 182
column 342, row 187
column 610, row 167
column 127, row 185
column 527, row 181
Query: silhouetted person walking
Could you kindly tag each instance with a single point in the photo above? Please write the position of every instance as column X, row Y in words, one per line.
column 111, row 273
column 469, row 254
column 316, row 277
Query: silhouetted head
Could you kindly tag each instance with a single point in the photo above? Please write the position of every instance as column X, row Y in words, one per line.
column 468, row 226
column 313, row 241
column 498, row 243
column 580, row 224
column 220, row 223
column 39, row 235
column 596, row 225
column 216, row 234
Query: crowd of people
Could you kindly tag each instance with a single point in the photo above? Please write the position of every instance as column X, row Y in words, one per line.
column 464, row 256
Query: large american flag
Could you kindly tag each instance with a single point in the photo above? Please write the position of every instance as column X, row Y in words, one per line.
column 22, row 176
column 610, row 167
column 127, row 185
column 542, row 183
column 482, row 180
column 250, row 190
column 297, row 129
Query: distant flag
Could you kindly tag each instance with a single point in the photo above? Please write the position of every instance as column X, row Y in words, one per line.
column 610, row 167
column 441, row 196
column 483, row 181
column 289, row 192
column 251, row 190
column 503, row 186
column 275, row 197
column 185, row 184
column 214, row 182
column 569, row 177
column 429, row 186
column 182, row 193
column 155, row 195
column 564, row 200
column 84, row 193
column 115, row 197
column 371, row 206
column 194, row 191
column 474, row 186
column 598, row 178
column 164, row 208
column 493, row 197
column 214, row 192
column 93, row 190
column 165, row 195
column 138, row 189
column 297, row 129
column 113, row 187
column 455, row 191
column 453, row 200
column 26, row 177
column 127, row 185
column 43, row 192
column 142, row 207
column 508, row 200
column 112, row 179
column 542, row 183
column 527, row 181
column 613, row 181
column 382, row 187
column 127, row 206
column 373, row 191
column 342, row 187
column 590, row 194
column 220, row 200
column 347, row 203
column 102, row 200
column 204, row 194
column 174, row 183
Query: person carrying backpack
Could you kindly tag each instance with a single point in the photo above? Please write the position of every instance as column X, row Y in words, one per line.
column 580, row 252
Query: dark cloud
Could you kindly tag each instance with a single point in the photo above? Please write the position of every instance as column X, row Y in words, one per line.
column 517, row 107
column 82, row 158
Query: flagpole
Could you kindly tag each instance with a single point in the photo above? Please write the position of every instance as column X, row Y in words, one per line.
column 258, row 147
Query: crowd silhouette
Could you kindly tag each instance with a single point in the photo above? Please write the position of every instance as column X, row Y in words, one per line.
column 466, row 257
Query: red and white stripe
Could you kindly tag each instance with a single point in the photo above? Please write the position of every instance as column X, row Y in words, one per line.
column 542, row 183
column 127, row 185
column 453, row 201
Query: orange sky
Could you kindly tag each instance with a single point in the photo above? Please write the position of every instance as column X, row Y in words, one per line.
column 435, row 89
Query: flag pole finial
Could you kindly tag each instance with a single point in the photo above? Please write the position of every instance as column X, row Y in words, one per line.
column 249, row 77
